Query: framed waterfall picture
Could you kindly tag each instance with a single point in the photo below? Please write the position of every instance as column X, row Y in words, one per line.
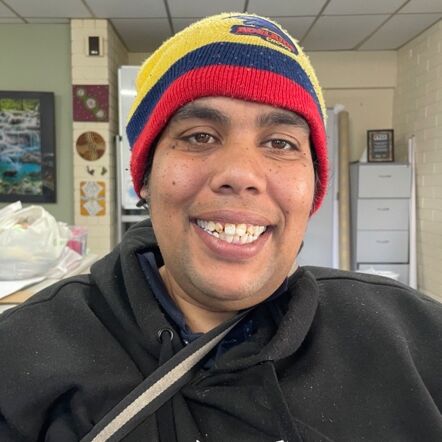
column 27, row 147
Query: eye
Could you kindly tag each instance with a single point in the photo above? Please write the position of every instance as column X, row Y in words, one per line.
column 281, row 144
column 200, row 138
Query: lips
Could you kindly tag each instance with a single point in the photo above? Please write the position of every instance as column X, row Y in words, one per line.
column 233, row 236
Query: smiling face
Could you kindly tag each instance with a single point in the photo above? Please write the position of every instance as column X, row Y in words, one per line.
column 230, row 193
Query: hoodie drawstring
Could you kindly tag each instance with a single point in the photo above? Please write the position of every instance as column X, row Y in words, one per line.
column 165, row 415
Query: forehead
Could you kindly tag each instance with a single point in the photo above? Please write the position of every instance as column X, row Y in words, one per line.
column 224, row 110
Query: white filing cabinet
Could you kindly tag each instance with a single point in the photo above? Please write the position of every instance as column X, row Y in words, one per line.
column 380, row 199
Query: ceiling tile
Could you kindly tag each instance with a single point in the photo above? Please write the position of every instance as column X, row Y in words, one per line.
column 5, row 12
column 203, row 8
column 358, row 7
column 399, row 30
column 278, row 8
column 180, row 23
column 144, row 34
column 143, row 24
column 422, row 6
column 49, row 8
column 127, row 9
column 295, row 26
column 10, row 20
column 52, row 21
column 341, row 32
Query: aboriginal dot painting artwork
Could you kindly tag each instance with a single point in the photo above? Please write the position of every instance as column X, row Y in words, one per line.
column 90, row 146
column 91, row 102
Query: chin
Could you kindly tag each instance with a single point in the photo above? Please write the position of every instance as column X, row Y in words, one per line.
column 231, row 293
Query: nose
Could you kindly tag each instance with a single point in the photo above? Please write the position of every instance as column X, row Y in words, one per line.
column 238, row 169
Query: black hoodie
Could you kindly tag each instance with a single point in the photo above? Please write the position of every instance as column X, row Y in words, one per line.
column 351, row 357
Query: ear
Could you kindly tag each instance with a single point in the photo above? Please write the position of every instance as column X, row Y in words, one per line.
column 144, row 192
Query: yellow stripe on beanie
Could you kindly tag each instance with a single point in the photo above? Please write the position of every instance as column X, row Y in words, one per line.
column 206, row 31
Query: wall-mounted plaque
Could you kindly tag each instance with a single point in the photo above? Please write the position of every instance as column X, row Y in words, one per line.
column 380, row 145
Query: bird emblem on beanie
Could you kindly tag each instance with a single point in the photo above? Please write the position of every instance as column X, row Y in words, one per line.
column 235, row 55
column 260, row 27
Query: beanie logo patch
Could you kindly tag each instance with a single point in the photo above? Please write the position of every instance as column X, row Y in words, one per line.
column 258, row 27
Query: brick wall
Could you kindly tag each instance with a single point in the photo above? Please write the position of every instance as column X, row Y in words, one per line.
column 97, row 70
column 418, row 111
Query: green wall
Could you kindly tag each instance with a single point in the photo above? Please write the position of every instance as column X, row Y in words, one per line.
column 37, row 57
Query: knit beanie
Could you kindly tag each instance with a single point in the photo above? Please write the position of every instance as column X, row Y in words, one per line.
column 235, row 55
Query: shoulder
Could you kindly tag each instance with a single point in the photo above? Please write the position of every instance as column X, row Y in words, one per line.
column 364, row 297
column 59, row 330
column 50, row 321
column 59, row 297
column 336, row 283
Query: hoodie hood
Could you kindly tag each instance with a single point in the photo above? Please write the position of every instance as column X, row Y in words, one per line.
column 129, row 296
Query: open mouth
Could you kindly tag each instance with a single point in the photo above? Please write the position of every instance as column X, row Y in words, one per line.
column 232, row 233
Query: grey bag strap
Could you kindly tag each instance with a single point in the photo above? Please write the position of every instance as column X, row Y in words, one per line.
column 157, row 388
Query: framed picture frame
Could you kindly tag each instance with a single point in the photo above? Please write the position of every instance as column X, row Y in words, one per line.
column 27, row 147
column 380, row 145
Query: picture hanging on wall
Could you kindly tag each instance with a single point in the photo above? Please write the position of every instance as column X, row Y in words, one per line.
column 27, row 147
column 92, row 198
column 90, row 146
column 90, row 102
column 380, row 145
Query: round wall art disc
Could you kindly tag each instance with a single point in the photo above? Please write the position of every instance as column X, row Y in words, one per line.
column 90, row 146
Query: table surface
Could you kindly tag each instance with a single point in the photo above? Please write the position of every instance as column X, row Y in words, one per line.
column 24, row 294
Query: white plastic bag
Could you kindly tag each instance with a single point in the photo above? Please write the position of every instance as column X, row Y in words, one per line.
column 31, row 241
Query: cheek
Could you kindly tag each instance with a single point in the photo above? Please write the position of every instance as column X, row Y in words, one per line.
column 173, row 180
column 294, row 189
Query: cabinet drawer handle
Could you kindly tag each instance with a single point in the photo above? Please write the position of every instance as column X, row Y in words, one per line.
column 382, row 241
column 383, row 209
column 384, row 176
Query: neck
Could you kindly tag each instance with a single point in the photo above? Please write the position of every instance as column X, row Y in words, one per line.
column 199, row 318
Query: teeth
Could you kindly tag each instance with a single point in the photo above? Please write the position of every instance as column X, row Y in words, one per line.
column 232, row 233
column 259, row 230
column 241, row 229
column 225, row 237
column 229, row 229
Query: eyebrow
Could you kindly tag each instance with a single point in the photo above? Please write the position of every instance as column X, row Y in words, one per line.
column 273, row 118
column 202, row 112
column 282, row 117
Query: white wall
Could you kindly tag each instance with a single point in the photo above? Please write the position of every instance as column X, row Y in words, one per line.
column 364, row 83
